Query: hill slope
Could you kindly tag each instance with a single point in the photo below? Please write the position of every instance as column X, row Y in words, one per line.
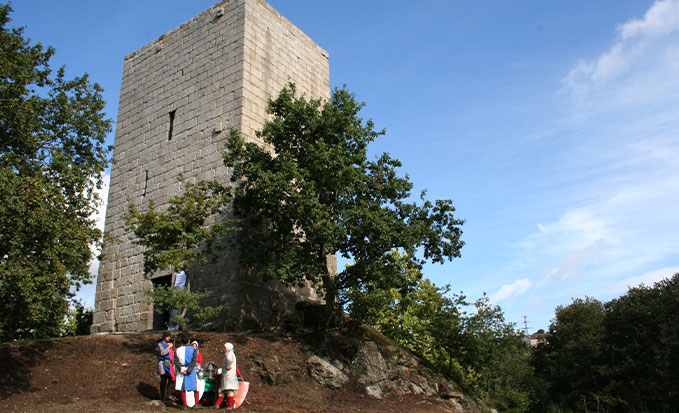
column 116, row 373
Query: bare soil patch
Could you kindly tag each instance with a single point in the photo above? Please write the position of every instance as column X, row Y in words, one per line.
column 116, row 373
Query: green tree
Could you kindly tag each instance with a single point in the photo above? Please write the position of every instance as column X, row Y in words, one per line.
column 643, row 347
column 495, row 350
column 311, row 192
column 479, row 350
column 52, row 155
column 571, row 362
column 78, row 320
column 418, row 315
column 191, row 230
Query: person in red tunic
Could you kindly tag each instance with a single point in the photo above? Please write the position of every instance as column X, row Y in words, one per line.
column 199, row 360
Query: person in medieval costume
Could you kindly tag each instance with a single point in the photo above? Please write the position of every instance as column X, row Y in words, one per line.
column 199, row 358
column 185, row 363
column 199, row 370
column 165, row 369
column 229, row 383
column 179, row 282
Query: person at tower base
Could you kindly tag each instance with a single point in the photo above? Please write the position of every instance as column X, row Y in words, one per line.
column 165, row 357
column 199, row 370
column 185, row 363
column 229, row 383
column 199, row 358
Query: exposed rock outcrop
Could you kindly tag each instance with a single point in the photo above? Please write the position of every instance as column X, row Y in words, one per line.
column 325, row 373
column 386, row 370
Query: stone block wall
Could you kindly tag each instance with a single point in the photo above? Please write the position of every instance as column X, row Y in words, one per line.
column 180, row 95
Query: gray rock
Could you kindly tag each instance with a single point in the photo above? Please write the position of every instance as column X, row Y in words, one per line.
column 427, row 387
column 156, row 404
column 369, row 365
column 338, row 364
column 325, row 373
column 375, row 391
column 415, row 389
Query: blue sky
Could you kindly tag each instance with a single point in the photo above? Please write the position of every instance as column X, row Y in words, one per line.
column 553, row 126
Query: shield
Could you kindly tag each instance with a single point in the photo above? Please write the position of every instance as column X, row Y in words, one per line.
column 242, row 391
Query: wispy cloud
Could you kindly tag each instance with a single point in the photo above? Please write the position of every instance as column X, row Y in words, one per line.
column 659, row 20
column 644, row 57
column 648, row 279
column 615, row 224
column 635, row 226
column 619, row 217
column 517, row 288
column 573, row 264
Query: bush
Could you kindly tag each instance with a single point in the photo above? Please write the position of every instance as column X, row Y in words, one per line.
column 78, row 320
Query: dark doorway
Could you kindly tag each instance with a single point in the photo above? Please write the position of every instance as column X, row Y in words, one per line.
column 160, row 320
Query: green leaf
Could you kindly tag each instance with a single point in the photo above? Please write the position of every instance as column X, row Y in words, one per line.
column 310, row 191
column 52, row 156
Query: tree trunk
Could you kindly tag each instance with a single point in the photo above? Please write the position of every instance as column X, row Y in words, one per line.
column 329, row 309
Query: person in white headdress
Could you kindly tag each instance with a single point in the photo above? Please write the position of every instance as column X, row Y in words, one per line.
column 229, row 383
column 200, row 383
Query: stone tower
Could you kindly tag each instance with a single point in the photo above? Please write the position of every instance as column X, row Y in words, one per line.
column 180, row 95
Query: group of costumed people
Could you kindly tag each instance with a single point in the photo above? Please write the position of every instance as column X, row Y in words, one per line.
column 180, row 367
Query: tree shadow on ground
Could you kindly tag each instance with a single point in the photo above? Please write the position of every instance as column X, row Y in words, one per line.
column 148, row 391
column 18, row 362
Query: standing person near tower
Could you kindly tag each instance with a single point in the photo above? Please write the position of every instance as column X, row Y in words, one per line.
column 165, row 357
column 229, row 383
column 179, row 282
column 199, row 370
column 185, row 363
column 199, row 357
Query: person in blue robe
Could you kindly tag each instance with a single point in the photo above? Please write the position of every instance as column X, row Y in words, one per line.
column 185, row 366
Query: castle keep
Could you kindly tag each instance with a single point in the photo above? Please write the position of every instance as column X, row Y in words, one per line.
column 180, row 95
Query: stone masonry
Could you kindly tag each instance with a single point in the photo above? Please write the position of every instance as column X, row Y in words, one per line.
column 180, row 95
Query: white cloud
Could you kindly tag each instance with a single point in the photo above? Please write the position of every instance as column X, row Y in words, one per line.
column 103, row 195
column 573, row 264
column 662, row 18
column 605, row 207
column 86, row 293
column 619, row 181
column 638, row 68
column 514, row 289
column 591, row 227
column 634, row 226
column 648, row 279
column 99, row 218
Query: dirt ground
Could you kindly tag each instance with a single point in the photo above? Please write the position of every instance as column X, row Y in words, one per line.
column 116, row 373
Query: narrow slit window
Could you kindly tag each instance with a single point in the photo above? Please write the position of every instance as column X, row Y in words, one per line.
column 170, row 130
column 146, row 182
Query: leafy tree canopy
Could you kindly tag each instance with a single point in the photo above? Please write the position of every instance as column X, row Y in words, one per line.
column 181, row 234
column 477, row 349
column 643, row 346
column 52, row 155
column 417, row 314
column 78, row 320
column 311, row 191
column 572, row 357
column 190, row 230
